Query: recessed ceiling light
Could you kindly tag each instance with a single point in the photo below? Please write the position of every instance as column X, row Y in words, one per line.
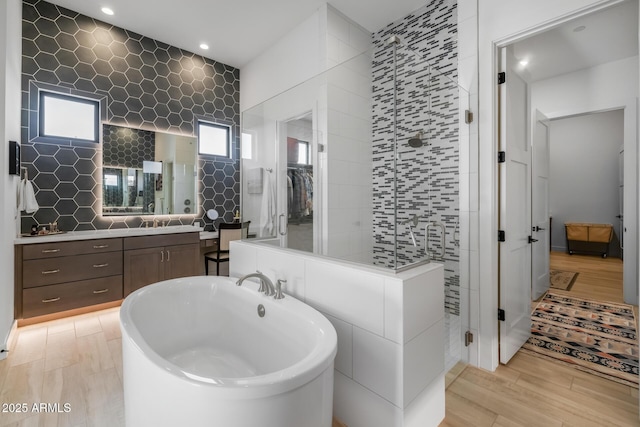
column 524, row 63
column 578, row 29
column 204, row 46
column 107, row 11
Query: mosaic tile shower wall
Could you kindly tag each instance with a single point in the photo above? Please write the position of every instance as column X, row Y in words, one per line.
column 141, row 83
column 423, row 68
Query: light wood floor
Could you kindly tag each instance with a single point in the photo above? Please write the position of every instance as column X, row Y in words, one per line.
column 531, row 391
column 78, row 361
column 75, row 361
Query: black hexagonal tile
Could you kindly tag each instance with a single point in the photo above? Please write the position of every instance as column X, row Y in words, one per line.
column 84, row 167
column 29, row 65
column 133, row 44
column 85, row 38
column 46, row 26
column 119, row 49
column 133, row 90
column 29, row 32
column 85, row 226
column 118, row 64
column 84, row 182
column 67, row 25
column 66, row 41
column 45, row 181
column 46, row 164
column 85, row 214
column 66, row 74
column 47, row 198
column 102, row 35
column 46, row 61
column 84, row 198
column 66, row 173
column 45, row 216
column 67, row 222
column 102, row 52
column 65, row 206
column 66, row 190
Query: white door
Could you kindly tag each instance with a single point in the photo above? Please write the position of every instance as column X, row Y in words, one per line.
column 540, row 206
column 515, row 212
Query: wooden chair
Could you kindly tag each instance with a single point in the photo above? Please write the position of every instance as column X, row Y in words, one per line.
column 226, row 233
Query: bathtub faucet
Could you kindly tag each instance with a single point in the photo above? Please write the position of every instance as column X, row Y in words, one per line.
column 266, row 285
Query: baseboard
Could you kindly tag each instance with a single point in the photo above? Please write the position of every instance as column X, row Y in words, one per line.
column 10, row 340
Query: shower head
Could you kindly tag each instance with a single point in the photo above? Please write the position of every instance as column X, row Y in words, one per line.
column 416, row 141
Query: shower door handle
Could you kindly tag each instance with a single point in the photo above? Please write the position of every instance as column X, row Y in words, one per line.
column 442, row 239
column 284, row 227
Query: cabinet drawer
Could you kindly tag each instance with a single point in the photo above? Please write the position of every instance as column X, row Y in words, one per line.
column 67, row 296
column 141, row 242
column 77, row 247
column 49, row 271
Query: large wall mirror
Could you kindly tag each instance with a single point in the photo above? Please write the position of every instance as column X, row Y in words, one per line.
column 148, row 173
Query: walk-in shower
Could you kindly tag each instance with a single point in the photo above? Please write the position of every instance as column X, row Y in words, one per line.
column 365, row 167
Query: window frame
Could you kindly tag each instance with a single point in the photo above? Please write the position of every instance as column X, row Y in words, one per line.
column 42, row 94
column 228, row 144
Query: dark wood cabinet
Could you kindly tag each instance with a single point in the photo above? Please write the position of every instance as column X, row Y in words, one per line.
column 151, row 259
column 58, row 276
column 53, row 277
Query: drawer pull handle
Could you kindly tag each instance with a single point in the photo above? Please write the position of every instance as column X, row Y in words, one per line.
column 101, row 291
column 100, row 246
column 51, row 300
column 50, row 251
column 168, row 256
column 57, row 270
column 100, row 265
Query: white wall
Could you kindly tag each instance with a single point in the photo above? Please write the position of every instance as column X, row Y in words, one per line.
column 10, row 68
column 499, row 21
column 298, row 56
column 586, row 90
column 584, row 172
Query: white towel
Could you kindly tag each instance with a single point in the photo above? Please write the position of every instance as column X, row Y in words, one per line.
column 27, row 197
column 268, row 207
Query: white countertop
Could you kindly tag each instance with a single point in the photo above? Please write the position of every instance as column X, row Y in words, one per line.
column 106, row 234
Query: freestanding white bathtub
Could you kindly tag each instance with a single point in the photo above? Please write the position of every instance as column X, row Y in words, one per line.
column 196, row 353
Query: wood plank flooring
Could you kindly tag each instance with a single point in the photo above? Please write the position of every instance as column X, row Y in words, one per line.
column 532, row 391
column 75, row 361
column 78, row 361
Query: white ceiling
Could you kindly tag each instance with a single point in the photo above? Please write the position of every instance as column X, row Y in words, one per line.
column 239, row 30
column 236, row 30
column 609, row 35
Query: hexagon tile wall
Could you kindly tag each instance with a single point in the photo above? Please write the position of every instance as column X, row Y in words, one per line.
column 140, row 83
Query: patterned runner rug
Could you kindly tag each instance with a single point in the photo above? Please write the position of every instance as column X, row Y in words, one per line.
column 562, row 279
column 592, row 336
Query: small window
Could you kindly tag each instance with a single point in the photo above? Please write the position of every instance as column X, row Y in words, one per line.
column 111, row 180
column 214, row 139
column 303, row 153
column 247, row 145
column 69, row 117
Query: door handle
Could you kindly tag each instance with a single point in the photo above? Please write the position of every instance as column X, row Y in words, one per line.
column 532, row 240
column 283, row 229
column 539, row 228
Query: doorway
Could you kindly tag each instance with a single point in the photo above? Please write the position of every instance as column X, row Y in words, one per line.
column 558, row 91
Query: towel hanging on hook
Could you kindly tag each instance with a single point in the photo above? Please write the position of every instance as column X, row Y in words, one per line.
column 26, row 195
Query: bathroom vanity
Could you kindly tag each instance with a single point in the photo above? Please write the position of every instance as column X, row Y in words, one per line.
column 78, row 270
